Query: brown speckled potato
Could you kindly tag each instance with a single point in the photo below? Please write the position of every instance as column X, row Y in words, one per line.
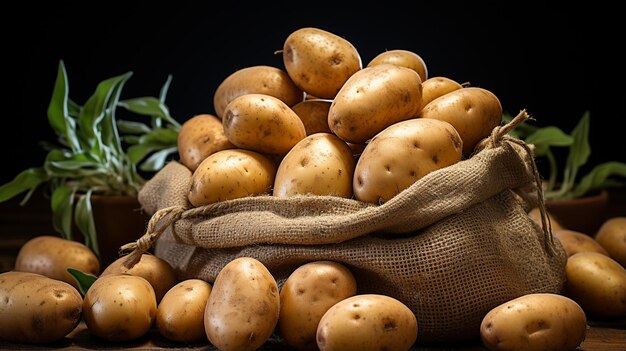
column 307, row 294
column 367, row 322
column 535, row 322
column 261, row 79
column 320, row 164
column 199, row 137
column 435, row 87
column 575, row 242
column 52, row 256
column 37, row 309
column 243, row 307
column 373, row 99
column 401, row 154
column 319, row 62
column 262, row 123
column 612, row 236
column 314, row 115
column 180, row 315
column 473, row 112
column 231, row 174
column 404, row 58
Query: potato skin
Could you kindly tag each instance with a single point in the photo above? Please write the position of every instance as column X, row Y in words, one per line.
column 243, row 307
column 260, row 79
column 535, row 322
column 306, row 295
column 320, row 164
column 180, row 314
column 612, row 237
column 435, row 87
column 319, row 62
column 404, row 58
column 199, row 137
column 367, row 322
column 574, row 242
column 37, row 309
column 402, row 154
column 373, row 99
column 314, row 115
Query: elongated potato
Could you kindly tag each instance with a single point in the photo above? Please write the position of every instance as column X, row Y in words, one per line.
column 435, row 87
column 574, row 242
column 373, row 99
column 404, row 58
column 314, row 115
column 199, row 137
column 180, row 315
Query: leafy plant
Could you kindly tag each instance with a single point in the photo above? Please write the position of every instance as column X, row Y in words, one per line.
column 96, row 153
column 544, row 139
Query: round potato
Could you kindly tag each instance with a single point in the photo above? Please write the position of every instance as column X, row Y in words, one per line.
column 243, row 307
column 597, row 282
column 314, row 115
column 401, row 154
column 435, row 87
column 155, row 270
column 612, row 237
column 231, row 174
column 575, row 242
column 319, row 62
column 262, row 123
column 119, row 307
column 306, row 295
column 180, row 314
column 535, row 322
column 37, row 309
column 199, row 137
column 373, row 99
column 404, row 58
column 320, row 164
column 260, row 79
column 473, row 112
column 367, row 322
column 52, row 256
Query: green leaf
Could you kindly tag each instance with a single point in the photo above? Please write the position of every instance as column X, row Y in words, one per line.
column 58, row 112
column 61, row 205
column 83, row 217
column 73, row 108
column 137, row 152
column 26, row 180
column 165, row 88
column 157, row 160
column 131, row 127
column 546, row 137
column 84, row 280
column 149, row 106
column 161, row 136
column 579, row 150
column 598, row 178
column 110, row 135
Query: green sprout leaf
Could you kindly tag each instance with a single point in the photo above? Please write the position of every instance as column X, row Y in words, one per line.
column 546, row 137
column 157, row 160
column 599, row 178
column 131, row 127
column 149, row 106
column 83, row 279
column 58, row 111
column 83, row 217
column 61, row 204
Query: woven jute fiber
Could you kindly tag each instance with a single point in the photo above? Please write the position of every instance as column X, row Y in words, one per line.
column 455, row 244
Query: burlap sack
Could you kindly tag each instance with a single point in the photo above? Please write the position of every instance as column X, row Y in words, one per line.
column 452, row 246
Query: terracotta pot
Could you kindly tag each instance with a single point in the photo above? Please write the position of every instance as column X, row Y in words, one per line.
column 584, row 215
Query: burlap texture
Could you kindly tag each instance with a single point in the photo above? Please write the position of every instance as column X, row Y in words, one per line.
column 455, row 244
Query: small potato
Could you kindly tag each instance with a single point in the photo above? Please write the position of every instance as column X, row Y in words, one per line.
column 243, row 307
column 612, row 236
column 260, row 79
column 180, row 314
column 231, row 174
column 401, row 154
column 262, row 123
column 306, row 295
column 52, row 256
column 575, row 242
column 367, row 322
column 199, row 137
column 320, row 164
column 373, row 99
column 404, row 58
column 435, row 87
column 473, row 112
column 158, row 272
column 314, row 115
column 119, row 307
column 535, row 215
column 319, row 62
column 37, row 309
column 597, row 282
column 535, row 322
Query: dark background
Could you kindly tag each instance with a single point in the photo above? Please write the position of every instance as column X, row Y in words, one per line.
column 555, row 62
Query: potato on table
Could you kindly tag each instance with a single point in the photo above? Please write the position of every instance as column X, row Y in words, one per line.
column 574, row 242
column 612, row 237
column 180, row 314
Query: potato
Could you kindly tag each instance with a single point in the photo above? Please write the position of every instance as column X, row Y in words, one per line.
column 231, row 174
column 314, row 115
column 242, row 310
column 538, row 321
column 403, row 153
column 319, row 62
column 612, row 237
column 435, row 87
column 180, row 314
column 597, row 282
column 262, row 123
column 306, row 295
column 535, row 215
column 373, row 99
column 52, row 256
column 119, row 307
column 404, row 58
column 158, row 272
column 260, row 79
column 37, row 309
column 320, row 164
column 575, row 242
column 367, row 322
column 473, row 112
column 199, row 137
